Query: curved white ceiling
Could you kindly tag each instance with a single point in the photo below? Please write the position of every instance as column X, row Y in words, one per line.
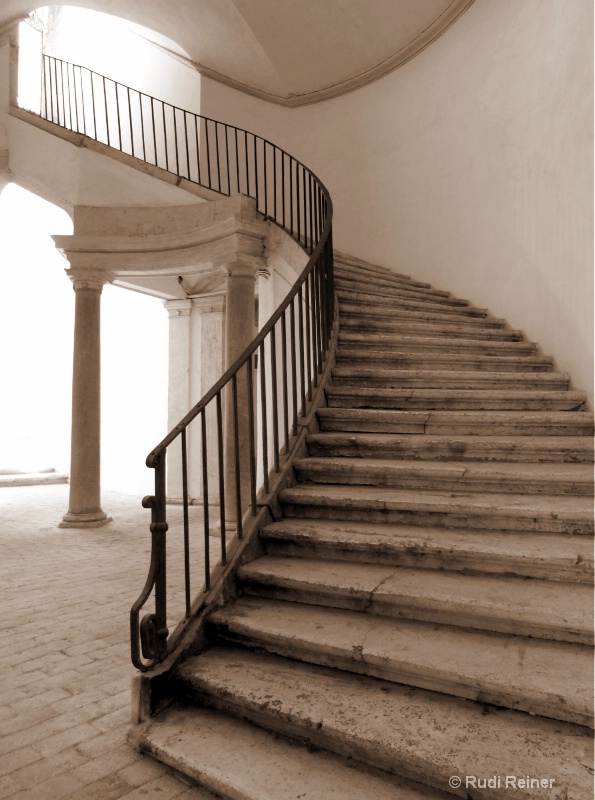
column 288, row 51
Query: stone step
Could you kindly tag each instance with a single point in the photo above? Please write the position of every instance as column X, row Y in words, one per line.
column 528, row 555
column 238, row 760
column 542, row 609
column 447, row 379
column 461, row 401
column 348, row 260
column 450, row 423
column 432, row 344
column 401, row 359
column 420, row 735
column 551, row 679
column 412, row 310
column 364, row 324
column 432, row 447
column 575, row 480
column 384, row 305
column 42, row 478
column 385, row 287
column 491, row 511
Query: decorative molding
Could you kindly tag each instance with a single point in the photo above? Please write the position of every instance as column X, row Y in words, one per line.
column 402, row 56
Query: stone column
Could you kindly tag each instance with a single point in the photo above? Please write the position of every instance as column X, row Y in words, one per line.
column 85, row 504
column 178, row 400
column 239, row 332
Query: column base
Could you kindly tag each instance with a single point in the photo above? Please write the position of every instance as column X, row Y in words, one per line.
column 94, row 520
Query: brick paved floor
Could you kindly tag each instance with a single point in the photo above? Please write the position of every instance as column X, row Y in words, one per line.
column 65, row 668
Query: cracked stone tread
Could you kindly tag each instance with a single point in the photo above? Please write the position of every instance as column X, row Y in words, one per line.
column 353, row 302
column 555, row 479
column 260, row 765
column 371, row 287
column 427, row 446
column 552, row 679
column 556, row 514
column 527, row 607
column 418, row 734
column 357, row 399
column 532, row 554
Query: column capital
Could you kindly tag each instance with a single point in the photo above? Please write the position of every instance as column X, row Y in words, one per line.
column 209, row 303
column 243, row 267
column 90, row 281
column 178, row 308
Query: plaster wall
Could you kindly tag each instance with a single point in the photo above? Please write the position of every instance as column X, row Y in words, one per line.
column 469, row 167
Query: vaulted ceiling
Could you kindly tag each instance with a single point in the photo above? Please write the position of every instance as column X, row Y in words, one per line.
column 288, row 51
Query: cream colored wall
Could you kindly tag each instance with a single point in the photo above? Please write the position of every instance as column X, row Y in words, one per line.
column 470, row 166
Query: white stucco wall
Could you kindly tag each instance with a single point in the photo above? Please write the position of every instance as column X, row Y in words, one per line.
column 469, row 167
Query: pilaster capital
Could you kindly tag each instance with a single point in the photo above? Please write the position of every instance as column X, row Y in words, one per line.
column 178, row 308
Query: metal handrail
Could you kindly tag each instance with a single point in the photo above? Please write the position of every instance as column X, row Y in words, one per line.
column 249, row 420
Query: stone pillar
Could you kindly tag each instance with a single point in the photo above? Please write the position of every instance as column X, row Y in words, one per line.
column 208, row 318
column 85, row 504
column 239, row 332
column 178, row 400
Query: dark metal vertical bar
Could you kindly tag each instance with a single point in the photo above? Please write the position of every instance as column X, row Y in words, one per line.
column 205, row 496
column 291, row 195
column 236, row 437
column 118, row 113
column 227, row 159
column 220, row 452
column 158, row 533
column 186, row 521
column 251, row 436
column 130, row 121
column 208, row 149
column 246, row 163
column 274, row 398
column 69, row 95
column 309, row 322
column 187, row 145
column 165, row 135
column 266, row 186
column 293, row 364
column 297, row 201
column 284, row 385
column 218, row 159
column 256, row 173
column 311, row 207
column 106, row 117
column 142, row 124
column 198, row 149
column 93, row 104
column 275, row 181
column 154, row 129
column 283, row 185
column 263, row 419
column 305, row 207
column 300, row 296
column 237, row 159
column 173, row 111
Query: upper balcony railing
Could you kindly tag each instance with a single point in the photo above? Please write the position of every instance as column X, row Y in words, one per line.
column 248, row 422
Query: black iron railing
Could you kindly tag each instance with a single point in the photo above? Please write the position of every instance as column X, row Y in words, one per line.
column 247, row 424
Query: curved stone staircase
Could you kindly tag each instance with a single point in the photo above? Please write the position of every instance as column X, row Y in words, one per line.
column 422, row 613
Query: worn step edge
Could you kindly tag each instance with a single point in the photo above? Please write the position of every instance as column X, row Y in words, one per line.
column 443, row 447
column 486, row 400
column 454, row 422
column 500, row 604
column 531, row 513
column 353, row 313
column 397, row 358
column 444, row 379
column 531, row 555
column 548, row 479
column 381, row 724
column 434, row 344
column 448, row 330
column 240, row 761
column 551, row 679
column 377, row 305
column 375, row 287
